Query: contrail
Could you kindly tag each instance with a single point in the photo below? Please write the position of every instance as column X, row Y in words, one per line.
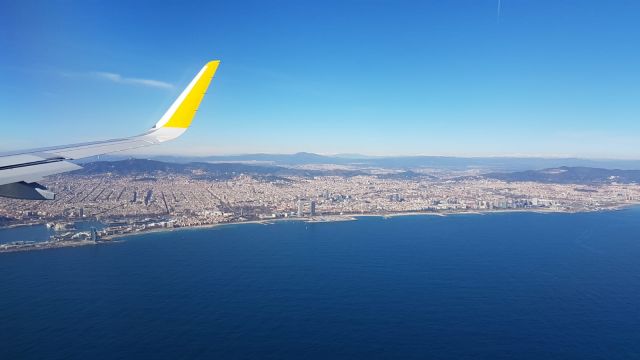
column 499, row 9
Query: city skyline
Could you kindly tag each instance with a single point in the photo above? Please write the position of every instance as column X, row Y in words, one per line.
column 547, row 79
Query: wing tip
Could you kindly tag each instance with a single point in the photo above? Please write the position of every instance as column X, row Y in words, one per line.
column 182, row 111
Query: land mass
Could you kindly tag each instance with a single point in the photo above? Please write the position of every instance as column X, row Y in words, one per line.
column 137, row 195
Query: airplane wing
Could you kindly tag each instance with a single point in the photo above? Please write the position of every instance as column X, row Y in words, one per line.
column 20, row 170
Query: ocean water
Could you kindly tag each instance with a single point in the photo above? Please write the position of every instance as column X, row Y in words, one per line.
column 499, row 286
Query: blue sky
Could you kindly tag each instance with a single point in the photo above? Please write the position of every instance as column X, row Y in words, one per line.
column 550, row 78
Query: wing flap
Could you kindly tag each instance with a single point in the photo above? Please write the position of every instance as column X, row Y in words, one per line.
column 32, row 173
column 8, row 161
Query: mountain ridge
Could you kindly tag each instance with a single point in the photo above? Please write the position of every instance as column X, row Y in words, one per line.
column 571, row 175
column 485, row 164
column 222, row 170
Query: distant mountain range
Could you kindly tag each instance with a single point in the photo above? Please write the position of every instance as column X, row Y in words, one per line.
column 221, row 171
column 572, row 175
column 485, row 164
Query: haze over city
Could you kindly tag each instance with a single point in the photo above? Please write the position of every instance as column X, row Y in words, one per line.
column 372, row 77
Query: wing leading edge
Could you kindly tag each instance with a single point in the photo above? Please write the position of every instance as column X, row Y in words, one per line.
column 20, row 170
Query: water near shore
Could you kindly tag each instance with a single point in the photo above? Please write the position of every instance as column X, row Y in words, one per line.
column 499, row 286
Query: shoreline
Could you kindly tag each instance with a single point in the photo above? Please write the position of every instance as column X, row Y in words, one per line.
column 116, row 238
column 349, row 217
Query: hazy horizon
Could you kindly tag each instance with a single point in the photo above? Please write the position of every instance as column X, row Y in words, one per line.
column 152, row 154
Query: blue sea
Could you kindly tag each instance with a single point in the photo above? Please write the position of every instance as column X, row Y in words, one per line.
column 498, row 286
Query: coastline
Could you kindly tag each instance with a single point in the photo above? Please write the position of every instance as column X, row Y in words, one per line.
column 349, row 217
column 319, row 219
column 116, row 238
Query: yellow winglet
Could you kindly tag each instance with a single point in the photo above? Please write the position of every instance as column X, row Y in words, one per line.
column 182, row 111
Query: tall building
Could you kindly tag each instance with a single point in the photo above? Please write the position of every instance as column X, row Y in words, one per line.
column 300, row 208
column 313, row 208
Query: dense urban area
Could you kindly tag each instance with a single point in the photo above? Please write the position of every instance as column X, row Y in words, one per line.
column 126, row 204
